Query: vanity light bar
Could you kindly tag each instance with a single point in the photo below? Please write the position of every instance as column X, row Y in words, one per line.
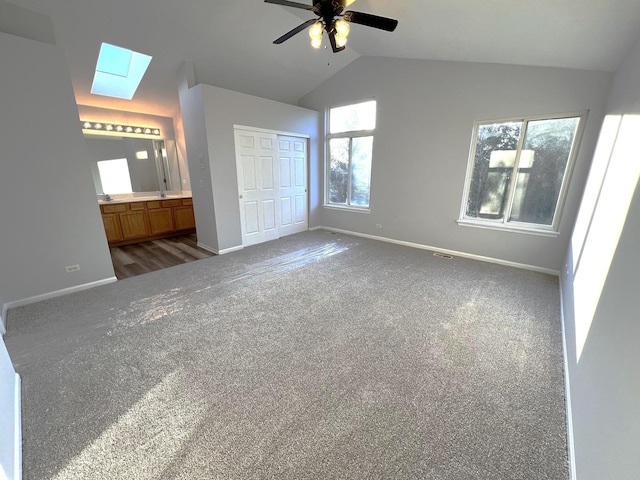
column 119, row 128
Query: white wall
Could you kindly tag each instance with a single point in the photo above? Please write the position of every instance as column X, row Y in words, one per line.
column 600, row 287
column 426, row 113
column 211, row 144
column 48, row 210
column 10, row 453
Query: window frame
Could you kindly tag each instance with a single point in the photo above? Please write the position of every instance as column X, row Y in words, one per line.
column 504, row 224
column 350, row 135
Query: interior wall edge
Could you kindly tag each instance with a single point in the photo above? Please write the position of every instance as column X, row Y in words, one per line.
column 454, row 253
column 10, row 418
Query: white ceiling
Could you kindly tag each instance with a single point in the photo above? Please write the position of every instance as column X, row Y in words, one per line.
column 230, row 41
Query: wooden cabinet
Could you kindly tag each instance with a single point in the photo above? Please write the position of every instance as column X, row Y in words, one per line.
column 112, row 227
column 161, row 220
column 184, row 218
column 133, row 222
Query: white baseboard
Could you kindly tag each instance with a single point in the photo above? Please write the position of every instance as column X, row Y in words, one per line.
column 232, row 249
column 567, row 392
column 57, row 293
column 454, row 253
column 207, row 248
column 220, row 252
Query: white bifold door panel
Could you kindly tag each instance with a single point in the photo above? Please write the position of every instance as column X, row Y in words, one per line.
column 272, row 185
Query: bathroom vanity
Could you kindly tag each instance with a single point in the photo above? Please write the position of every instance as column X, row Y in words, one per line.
column 141, row 219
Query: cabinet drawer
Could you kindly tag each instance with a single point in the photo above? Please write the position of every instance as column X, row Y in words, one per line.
column 154, row 204
column 137, row 206
column 187, row 201
column 171, row 203
column 121, row 207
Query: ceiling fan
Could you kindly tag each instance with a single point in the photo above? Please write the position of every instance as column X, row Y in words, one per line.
column 334, row 21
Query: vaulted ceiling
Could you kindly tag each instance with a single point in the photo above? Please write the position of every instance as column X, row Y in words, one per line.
column 230, row 41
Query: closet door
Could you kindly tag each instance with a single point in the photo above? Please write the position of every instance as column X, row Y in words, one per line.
column 272, row 185
column 292, row 192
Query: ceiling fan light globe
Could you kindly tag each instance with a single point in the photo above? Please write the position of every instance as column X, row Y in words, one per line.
column 315, row 31
column 316, row 42
column 342, row 28
column 341, row 40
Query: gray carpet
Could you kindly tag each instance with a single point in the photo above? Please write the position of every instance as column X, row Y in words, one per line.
column 314, row 356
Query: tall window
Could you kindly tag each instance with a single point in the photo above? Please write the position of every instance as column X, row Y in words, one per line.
column 518, row 172
column 350, row 149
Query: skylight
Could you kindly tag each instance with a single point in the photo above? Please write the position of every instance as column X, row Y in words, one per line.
column 119, row 72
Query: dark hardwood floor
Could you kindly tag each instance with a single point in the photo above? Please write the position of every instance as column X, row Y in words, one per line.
column 138, row 258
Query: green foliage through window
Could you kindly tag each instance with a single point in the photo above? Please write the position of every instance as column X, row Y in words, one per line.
column 350, row 151
column 519, row 170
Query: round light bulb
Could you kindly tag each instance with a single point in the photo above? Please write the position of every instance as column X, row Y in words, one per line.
column 342, row 28
column 316, row 42
column 315, row 31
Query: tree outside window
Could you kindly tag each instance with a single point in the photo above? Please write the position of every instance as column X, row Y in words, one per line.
column 350, row 151
column 519, row 171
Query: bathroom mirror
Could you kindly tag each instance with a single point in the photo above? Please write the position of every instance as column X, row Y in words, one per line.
column 129, row 164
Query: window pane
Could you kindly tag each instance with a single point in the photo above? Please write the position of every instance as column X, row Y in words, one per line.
column 494, row 161
column 361, row 116
column 114, row 176
column 547, row 146
column 361, row 153
column 338, row 170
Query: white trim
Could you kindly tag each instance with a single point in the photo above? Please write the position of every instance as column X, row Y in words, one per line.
column 59, row 293
column 454, row 253
column 207, row 248
column 269, row 130
column 17, row 435
column 506, row 227
column 345, row 208
column 567, row 392
column 220, row 252
column 231, row 249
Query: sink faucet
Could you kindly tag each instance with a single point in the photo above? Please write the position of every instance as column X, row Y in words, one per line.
column 107, row 197
column 162, row 194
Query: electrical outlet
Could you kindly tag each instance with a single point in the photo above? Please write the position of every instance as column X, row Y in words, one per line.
column 72, row 268
column 378, row 225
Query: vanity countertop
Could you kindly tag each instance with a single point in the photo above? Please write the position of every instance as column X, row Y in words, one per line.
column 141, row 198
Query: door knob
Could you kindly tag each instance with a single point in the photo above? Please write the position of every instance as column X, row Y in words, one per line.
column 240, row 196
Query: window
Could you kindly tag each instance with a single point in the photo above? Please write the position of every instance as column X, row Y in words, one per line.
column 114, row 176
column 518, row 172
column 350, row 150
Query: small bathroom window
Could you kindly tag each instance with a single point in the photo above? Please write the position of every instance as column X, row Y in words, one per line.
column 114, row 176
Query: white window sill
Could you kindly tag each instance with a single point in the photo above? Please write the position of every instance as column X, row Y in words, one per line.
column 346, row 208
column 466, row 222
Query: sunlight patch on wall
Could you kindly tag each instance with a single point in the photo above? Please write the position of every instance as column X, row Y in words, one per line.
column 601, row 158
column 609, row 217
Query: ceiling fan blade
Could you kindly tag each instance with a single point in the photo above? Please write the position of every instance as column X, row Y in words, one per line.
column 332, row 40
column 286, row 3
column 295, row 31
column 383, row 23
